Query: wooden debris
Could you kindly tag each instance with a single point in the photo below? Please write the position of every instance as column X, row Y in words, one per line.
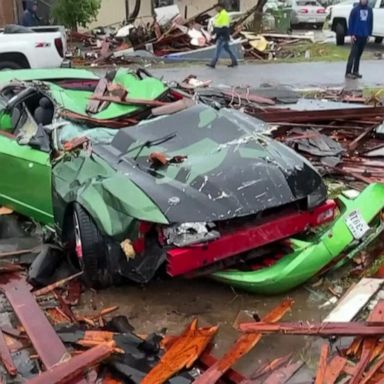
column 322, row 366
column 354, row 300
column 269, row 367
column 317, row 329
column 95, row 102
column 242, row 346
column 283, row 374
column 334, row 369
column 74, row 367
column 5, row 356
column 58, row 284
column 182, row 354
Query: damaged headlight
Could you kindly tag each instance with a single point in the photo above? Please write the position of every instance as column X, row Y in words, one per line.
column 182, row 235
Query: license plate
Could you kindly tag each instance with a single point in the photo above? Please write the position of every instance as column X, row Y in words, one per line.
column 356, row 224
column 312, row 20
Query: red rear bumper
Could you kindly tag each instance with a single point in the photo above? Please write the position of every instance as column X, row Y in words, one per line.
column 184, row 260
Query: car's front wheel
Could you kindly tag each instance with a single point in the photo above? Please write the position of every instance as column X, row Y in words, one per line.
column 87, row 249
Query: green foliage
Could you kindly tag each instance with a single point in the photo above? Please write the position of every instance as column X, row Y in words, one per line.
column 74, row 13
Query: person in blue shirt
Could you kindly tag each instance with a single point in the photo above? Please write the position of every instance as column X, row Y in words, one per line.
column 360, row 28
column 30, row 18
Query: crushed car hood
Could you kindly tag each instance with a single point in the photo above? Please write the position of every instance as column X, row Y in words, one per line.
column 230, row 169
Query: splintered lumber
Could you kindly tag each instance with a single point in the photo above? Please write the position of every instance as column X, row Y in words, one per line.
column 58, row 284
column 316, row 329
column 322, row 367
column 5, row 356
column 94, row 104
column 334, row 369
column 374, row 369
column 354, row 300
column 242, row 346
column 369, row 345
column 128, row 101
column 283, row 374
column 270, row 367
column 207, row 360
column 69, row 370
column 182, row 354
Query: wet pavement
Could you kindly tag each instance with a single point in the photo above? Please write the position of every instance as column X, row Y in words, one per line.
column 297, row 75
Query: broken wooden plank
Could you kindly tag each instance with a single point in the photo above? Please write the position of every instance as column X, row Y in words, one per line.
column 182, row 353
column 58, row 284
column 270, row 367
column 369, row 345
column 43, row 337
column 94, row 104
column 128, row 101
column 74, row 367
column 5, row 356
column 242, row 346
column 316, row 329
column 334, row 369
column 373, row 370
column 354, row 300
column 322, row 366
column 283, row 374
column 207, row 360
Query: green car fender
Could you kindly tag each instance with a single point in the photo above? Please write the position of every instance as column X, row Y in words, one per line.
column 308, row 258
column 113, row 201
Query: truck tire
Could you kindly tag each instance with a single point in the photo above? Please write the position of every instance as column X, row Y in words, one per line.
column 379, row 40
column 87, row 248
column 7, row 65
column 340, row 33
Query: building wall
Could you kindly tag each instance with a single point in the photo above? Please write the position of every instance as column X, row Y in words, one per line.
column 8, row 12
column 113, row 11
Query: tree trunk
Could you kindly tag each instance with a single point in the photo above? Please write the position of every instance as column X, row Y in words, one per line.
column 258, row 16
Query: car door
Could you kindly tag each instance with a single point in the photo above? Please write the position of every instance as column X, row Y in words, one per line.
column 378, row 19
column 25, row 181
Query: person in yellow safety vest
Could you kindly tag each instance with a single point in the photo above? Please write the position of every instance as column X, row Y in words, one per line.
column 221, row 26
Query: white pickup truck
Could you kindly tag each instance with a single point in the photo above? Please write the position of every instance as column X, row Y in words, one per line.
column 39, row 47
column 339, row 16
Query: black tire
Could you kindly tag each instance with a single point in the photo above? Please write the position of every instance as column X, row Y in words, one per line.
column 93, row 257
column 340, row 34
column 4, row 65
column 379, row 40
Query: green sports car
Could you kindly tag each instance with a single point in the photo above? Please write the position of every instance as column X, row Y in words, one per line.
column 133, row 184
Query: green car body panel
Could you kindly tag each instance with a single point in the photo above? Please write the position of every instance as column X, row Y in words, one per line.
column 114, row 202
column 25, row 183
column 307, row 259
column 46, row 75
column 76, row 101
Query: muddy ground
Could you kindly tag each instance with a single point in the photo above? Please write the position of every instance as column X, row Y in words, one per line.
column 174, row 303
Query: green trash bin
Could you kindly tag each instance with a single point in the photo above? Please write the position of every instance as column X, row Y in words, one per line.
column 282, row 19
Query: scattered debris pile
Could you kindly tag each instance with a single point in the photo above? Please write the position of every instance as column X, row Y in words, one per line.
column 341, row 133
column 341, row 361
column 43, row 340
column 173, row 38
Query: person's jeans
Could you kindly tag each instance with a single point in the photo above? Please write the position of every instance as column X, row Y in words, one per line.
column 220, row 45
column 357, row 50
